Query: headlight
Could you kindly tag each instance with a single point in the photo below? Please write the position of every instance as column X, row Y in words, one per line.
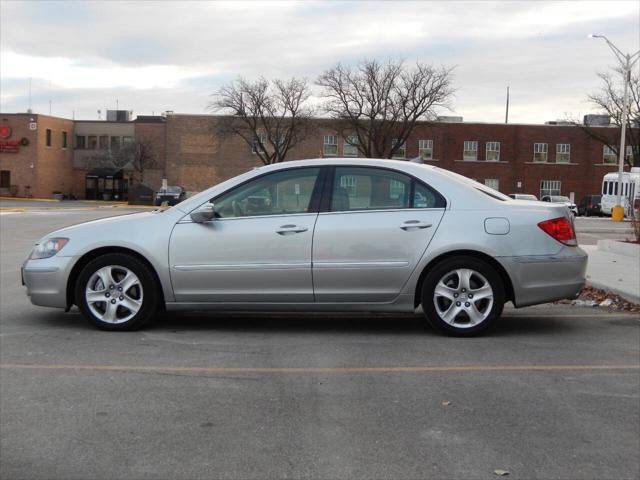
column 48, row 248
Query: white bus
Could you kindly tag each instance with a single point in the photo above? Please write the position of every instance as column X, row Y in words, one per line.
column 630, row 191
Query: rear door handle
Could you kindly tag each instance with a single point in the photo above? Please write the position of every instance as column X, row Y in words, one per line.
column 290, row 229
column 414, row 225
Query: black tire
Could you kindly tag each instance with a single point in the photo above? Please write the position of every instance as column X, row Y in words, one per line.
column 148, row 291
column 448, row 266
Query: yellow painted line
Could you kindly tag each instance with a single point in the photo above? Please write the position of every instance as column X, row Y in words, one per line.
column 11, row 209
column 424, row 369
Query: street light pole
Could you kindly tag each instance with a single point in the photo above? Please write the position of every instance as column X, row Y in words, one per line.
column 627, row 62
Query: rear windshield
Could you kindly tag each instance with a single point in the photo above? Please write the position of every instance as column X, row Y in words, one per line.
column 477, row 185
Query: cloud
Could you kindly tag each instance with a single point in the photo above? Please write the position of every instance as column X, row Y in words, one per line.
column 179, row 52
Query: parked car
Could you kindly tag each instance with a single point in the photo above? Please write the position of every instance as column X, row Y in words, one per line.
column 387, row 236
column 573, row 208
column 172, row 195
column 523, row 196
column 590, row 205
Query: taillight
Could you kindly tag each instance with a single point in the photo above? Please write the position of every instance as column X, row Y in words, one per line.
column 561, row 229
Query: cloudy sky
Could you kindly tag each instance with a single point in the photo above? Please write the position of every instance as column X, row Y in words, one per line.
column 156, row 56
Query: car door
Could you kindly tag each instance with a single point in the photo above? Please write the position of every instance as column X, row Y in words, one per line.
column 378, row 225
column 257, row 249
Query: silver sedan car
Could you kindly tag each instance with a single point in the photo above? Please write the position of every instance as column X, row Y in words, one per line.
column 318, row 235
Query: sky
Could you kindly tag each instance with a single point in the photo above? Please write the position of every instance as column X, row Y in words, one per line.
column 154, row 56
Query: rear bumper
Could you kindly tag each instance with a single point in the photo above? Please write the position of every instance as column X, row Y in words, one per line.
column 546, row 278
column 46, row 280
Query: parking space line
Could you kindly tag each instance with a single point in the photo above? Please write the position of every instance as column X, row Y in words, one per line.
column 306, row 370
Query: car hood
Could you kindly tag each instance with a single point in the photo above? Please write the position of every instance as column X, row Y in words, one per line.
column 118, row 219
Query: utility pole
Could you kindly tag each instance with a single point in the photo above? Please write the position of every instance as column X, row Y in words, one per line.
column 626, row 62
column 506, row 115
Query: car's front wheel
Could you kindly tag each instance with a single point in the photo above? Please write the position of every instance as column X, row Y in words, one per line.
column 462, row 296
column 116, row 292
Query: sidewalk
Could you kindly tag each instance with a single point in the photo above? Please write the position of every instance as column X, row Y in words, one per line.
column 616, row 273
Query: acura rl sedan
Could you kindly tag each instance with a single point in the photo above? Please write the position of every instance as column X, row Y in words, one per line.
column 318, row 235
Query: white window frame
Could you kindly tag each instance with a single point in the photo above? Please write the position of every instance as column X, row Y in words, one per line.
column 492, row 183
column 425, row 149
column 350, row 146
column 350, row 184
column 262, row 138
column 609, row 156
column 541, row 151
column 330, row 145
column 470, row 150
column 401, row 152
column 492, row 153
column 563, row 153
column 550, row 187
column 629, row 151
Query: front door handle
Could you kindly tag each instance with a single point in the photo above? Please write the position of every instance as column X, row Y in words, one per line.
column 290, row 229
column 414, row 225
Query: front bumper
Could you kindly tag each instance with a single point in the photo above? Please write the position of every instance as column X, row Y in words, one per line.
column 545, row 278
column 46, row 280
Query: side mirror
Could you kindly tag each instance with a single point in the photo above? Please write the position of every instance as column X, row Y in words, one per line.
column 203, row 213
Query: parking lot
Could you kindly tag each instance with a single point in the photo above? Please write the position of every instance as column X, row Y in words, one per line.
column 552, row 392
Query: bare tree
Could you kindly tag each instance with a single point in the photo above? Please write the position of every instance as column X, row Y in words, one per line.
column 137, row 156
column 270, row 116
column 609, row 101
column 378, row 104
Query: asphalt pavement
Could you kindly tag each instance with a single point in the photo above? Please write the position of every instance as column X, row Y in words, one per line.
column 552, row 392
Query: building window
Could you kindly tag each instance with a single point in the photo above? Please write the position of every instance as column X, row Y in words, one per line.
column 401, row 152
column 80, row 142
column 92, row 142
column 493, row 152
column 127, row 140
column 425, row 149
column 563, row 153
column 492, row 183
column 259, row 143
column 103, row 142
column 350, row 147
column 540, row 152
column 330, row 145
column 64, row 140
column 48, row 137
column 349, row 183
column 470, row 152
column 115, row 143
column 609, row 155
column 550, row 187
column 631, row 152
column 5, row 179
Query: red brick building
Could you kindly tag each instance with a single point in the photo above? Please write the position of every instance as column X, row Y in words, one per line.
column 537, row 159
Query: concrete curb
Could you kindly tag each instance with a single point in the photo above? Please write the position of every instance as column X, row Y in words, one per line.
column 621, row 248
column 629, row 297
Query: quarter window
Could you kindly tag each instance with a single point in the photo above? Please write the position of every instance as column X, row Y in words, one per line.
column 425, row 149
column 361, row 188
column 330, row 145
column 350, row 147
column 563, row 153
column 540, row 152
column 493, row 152
column 279, row 193
column 470, row 151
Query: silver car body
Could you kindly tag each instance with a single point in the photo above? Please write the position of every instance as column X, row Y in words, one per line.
column 369, row 260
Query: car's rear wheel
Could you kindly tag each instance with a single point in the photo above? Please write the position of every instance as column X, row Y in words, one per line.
column 116, row 292
column 462, row 296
